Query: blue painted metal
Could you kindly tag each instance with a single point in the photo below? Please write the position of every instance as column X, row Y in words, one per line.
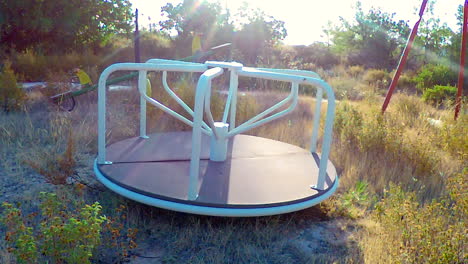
column 214, row 211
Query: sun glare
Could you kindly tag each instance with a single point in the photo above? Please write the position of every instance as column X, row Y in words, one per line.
column 306, row 19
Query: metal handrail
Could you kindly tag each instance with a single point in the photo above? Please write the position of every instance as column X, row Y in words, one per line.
column 211, row 70
column 142, row 68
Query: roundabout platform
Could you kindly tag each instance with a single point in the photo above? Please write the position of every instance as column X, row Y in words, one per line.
column 259, row 175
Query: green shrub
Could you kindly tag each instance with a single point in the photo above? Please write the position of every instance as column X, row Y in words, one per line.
column 429, row 233
column 379, row 78
column 406, row 82
column 348, row 123
column 381, row 139
column 439, row 93
column 356, row 71
column 62, row 235
column 345, row 88
column 452, row 137
column 11, row 95
column 431, row 75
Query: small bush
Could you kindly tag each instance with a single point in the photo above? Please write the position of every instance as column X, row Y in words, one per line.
column 379, row 78
column 431, row 75
column 406, row 82
column 62, row 235
column 11, row 95
column 345, row 88
column 356, row 71
column 452, row 137
column 430, row 233
column 439, row 93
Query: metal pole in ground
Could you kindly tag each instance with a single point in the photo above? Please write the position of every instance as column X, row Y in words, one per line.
column 403, row 58
column 461, row 73
column 137, row 39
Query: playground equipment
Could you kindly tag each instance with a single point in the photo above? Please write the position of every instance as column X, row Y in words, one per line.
column 66, row 100
column 214, row 169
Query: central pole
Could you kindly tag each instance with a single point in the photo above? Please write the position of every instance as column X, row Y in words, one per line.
column 219, row 142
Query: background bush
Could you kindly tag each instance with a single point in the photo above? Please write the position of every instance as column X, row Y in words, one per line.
column 430, row 75
column 11, row 95
column 439, row 93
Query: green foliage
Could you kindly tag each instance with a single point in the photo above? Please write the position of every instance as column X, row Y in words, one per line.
column 256, row 34
column 377, row 78
column 62, row 235
column 381, row 138
column 406, row 81
column 451, row 137
column 345, row 88
column 11, row 95
column 429, row 233
column 358, row 195
column 371, row 40
column 439, row 93
column 356, row 71
column 430, row 75
column 348, row 121
column 353, row 203
column 318, row 54
column 22, row 243
column 434, row 39
column 192, row 17
column 64, row 25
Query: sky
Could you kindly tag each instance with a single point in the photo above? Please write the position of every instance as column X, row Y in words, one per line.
column 305, row 19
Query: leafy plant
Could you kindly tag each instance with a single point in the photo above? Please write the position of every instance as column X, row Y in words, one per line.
column 431, row 75
column 11, row 96
column 430, row 233
column 439, row 93
column 61, row 236
column 379, row 78
column 19, row 237
column 358, row 195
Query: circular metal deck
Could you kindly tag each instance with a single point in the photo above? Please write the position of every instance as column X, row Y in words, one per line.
column 259, row 177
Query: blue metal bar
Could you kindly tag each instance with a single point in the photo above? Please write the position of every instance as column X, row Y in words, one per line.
column 203, row 83
column 178, row 100
column 316, row 124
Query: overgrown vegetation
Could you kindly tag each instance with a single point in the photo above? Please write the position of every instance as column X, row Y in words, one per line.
column 11, row 96
column 62, row 235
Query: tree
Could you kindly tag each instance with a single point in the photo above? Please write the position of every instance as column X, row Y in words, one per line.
column 11, row 96
column 61, row 25
column 434, row 37
column 258, row 34
column 373, row 40
column 195, row 17
column 318, row 54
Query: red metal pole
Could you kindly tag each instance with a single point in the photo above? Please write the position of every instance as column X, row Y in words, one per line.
column 404, row 57
column 461, row 73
